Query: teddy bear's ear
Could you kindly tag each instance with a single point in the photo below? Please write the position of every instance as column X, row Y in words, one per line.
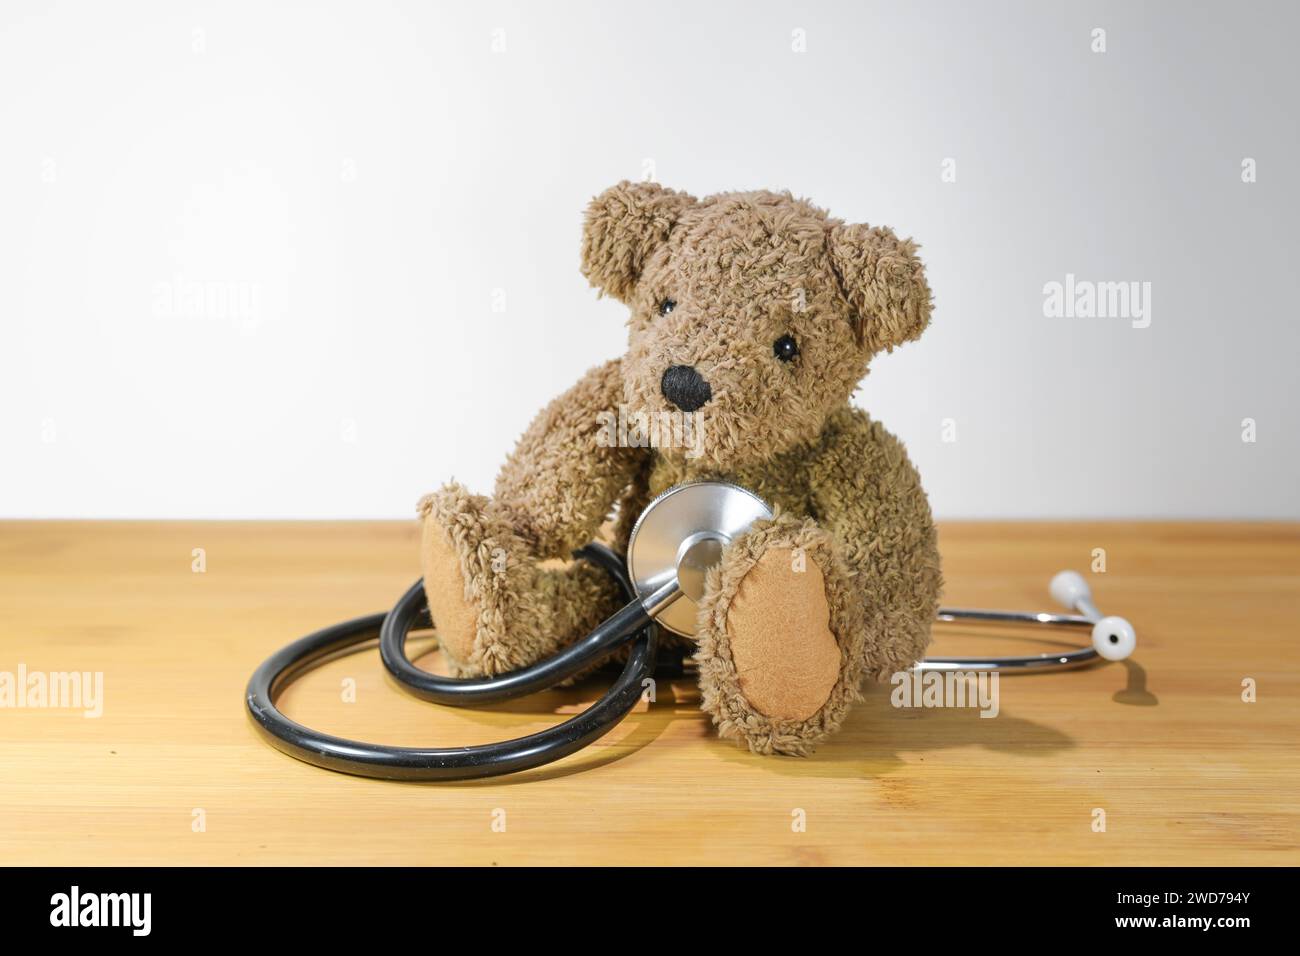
column 883, row 281
column 623, row 226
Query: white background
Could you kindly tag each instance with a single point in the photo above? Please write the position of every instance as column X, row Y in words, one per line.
column 368, row 179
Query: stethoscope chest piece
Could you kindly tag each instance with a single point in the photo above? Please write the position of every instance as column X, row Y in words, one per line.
column 679, row 536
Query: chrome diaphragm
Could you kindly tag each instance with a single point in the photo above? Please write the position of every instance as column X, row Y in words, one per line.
column 678, row 537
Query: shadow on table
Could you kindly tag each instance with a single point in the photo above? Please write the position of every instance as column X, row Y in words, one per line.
column 871, row 738
column 875, row 732
column 1135, row 694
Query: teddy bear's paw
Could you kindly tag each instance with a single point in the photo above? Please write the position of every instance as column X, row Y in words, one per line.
column 474, row 567
column 779, row 640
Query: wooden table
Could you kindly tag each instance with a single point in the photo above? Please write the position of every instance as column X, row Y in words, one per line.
column 172, row 772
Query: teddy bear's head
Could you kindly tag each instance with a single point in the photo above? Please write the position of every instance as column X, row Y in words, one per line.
column 754, row 311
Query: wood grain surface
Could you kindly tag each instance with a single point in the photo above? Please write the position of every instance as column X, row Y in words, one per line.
column 173, row 772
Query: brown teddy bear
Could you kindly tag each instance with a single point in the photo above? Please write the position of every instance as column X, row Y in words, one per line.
column 756, row 314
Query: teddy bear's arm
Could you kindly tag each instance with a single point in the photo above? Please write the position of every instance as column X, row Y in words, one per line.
column 560, row 483
column 868, row 495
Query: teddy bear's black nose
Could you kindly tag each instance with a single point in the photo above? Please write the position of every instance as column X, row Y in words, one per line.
column 685, row 387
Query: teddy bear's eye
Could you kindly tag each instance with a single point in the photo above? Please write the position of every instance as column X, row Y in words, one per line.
column 785, row 348
column 666, row 306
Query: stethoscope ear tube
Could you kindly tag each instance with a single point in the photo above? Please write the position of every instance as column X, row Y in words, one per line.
column 455, row 763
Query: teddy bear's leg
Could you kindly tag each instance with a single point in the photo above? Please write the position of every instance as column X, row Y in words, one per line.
column 495, row 606
column 780, row 643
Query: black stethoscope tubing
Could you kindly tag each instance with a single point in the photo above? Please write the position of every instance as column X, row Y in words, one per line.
column 360, row 758
column 411, row 612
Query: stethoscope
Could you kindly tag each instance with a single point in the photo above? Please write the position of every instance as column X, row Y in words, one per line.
column 678, row 537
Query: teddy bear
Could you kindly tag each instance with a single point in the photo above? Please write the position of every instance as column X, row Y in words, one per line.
column 757, row 314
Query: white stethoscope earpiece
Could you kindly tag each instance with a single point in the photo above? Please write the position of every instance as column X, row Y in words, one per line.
column 1069, row 588
column 1112, row 637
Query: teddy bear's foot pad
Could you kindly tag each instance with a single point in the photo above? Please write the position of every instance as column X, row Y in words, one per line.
column 787, row 659
column 454, row 616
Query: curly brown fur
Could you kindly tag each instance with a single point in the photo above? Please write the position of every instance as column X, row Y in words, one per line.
column 741, row 270
column 523, row 609
column 744, row 269
column 563, row 477
column 867, row 494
